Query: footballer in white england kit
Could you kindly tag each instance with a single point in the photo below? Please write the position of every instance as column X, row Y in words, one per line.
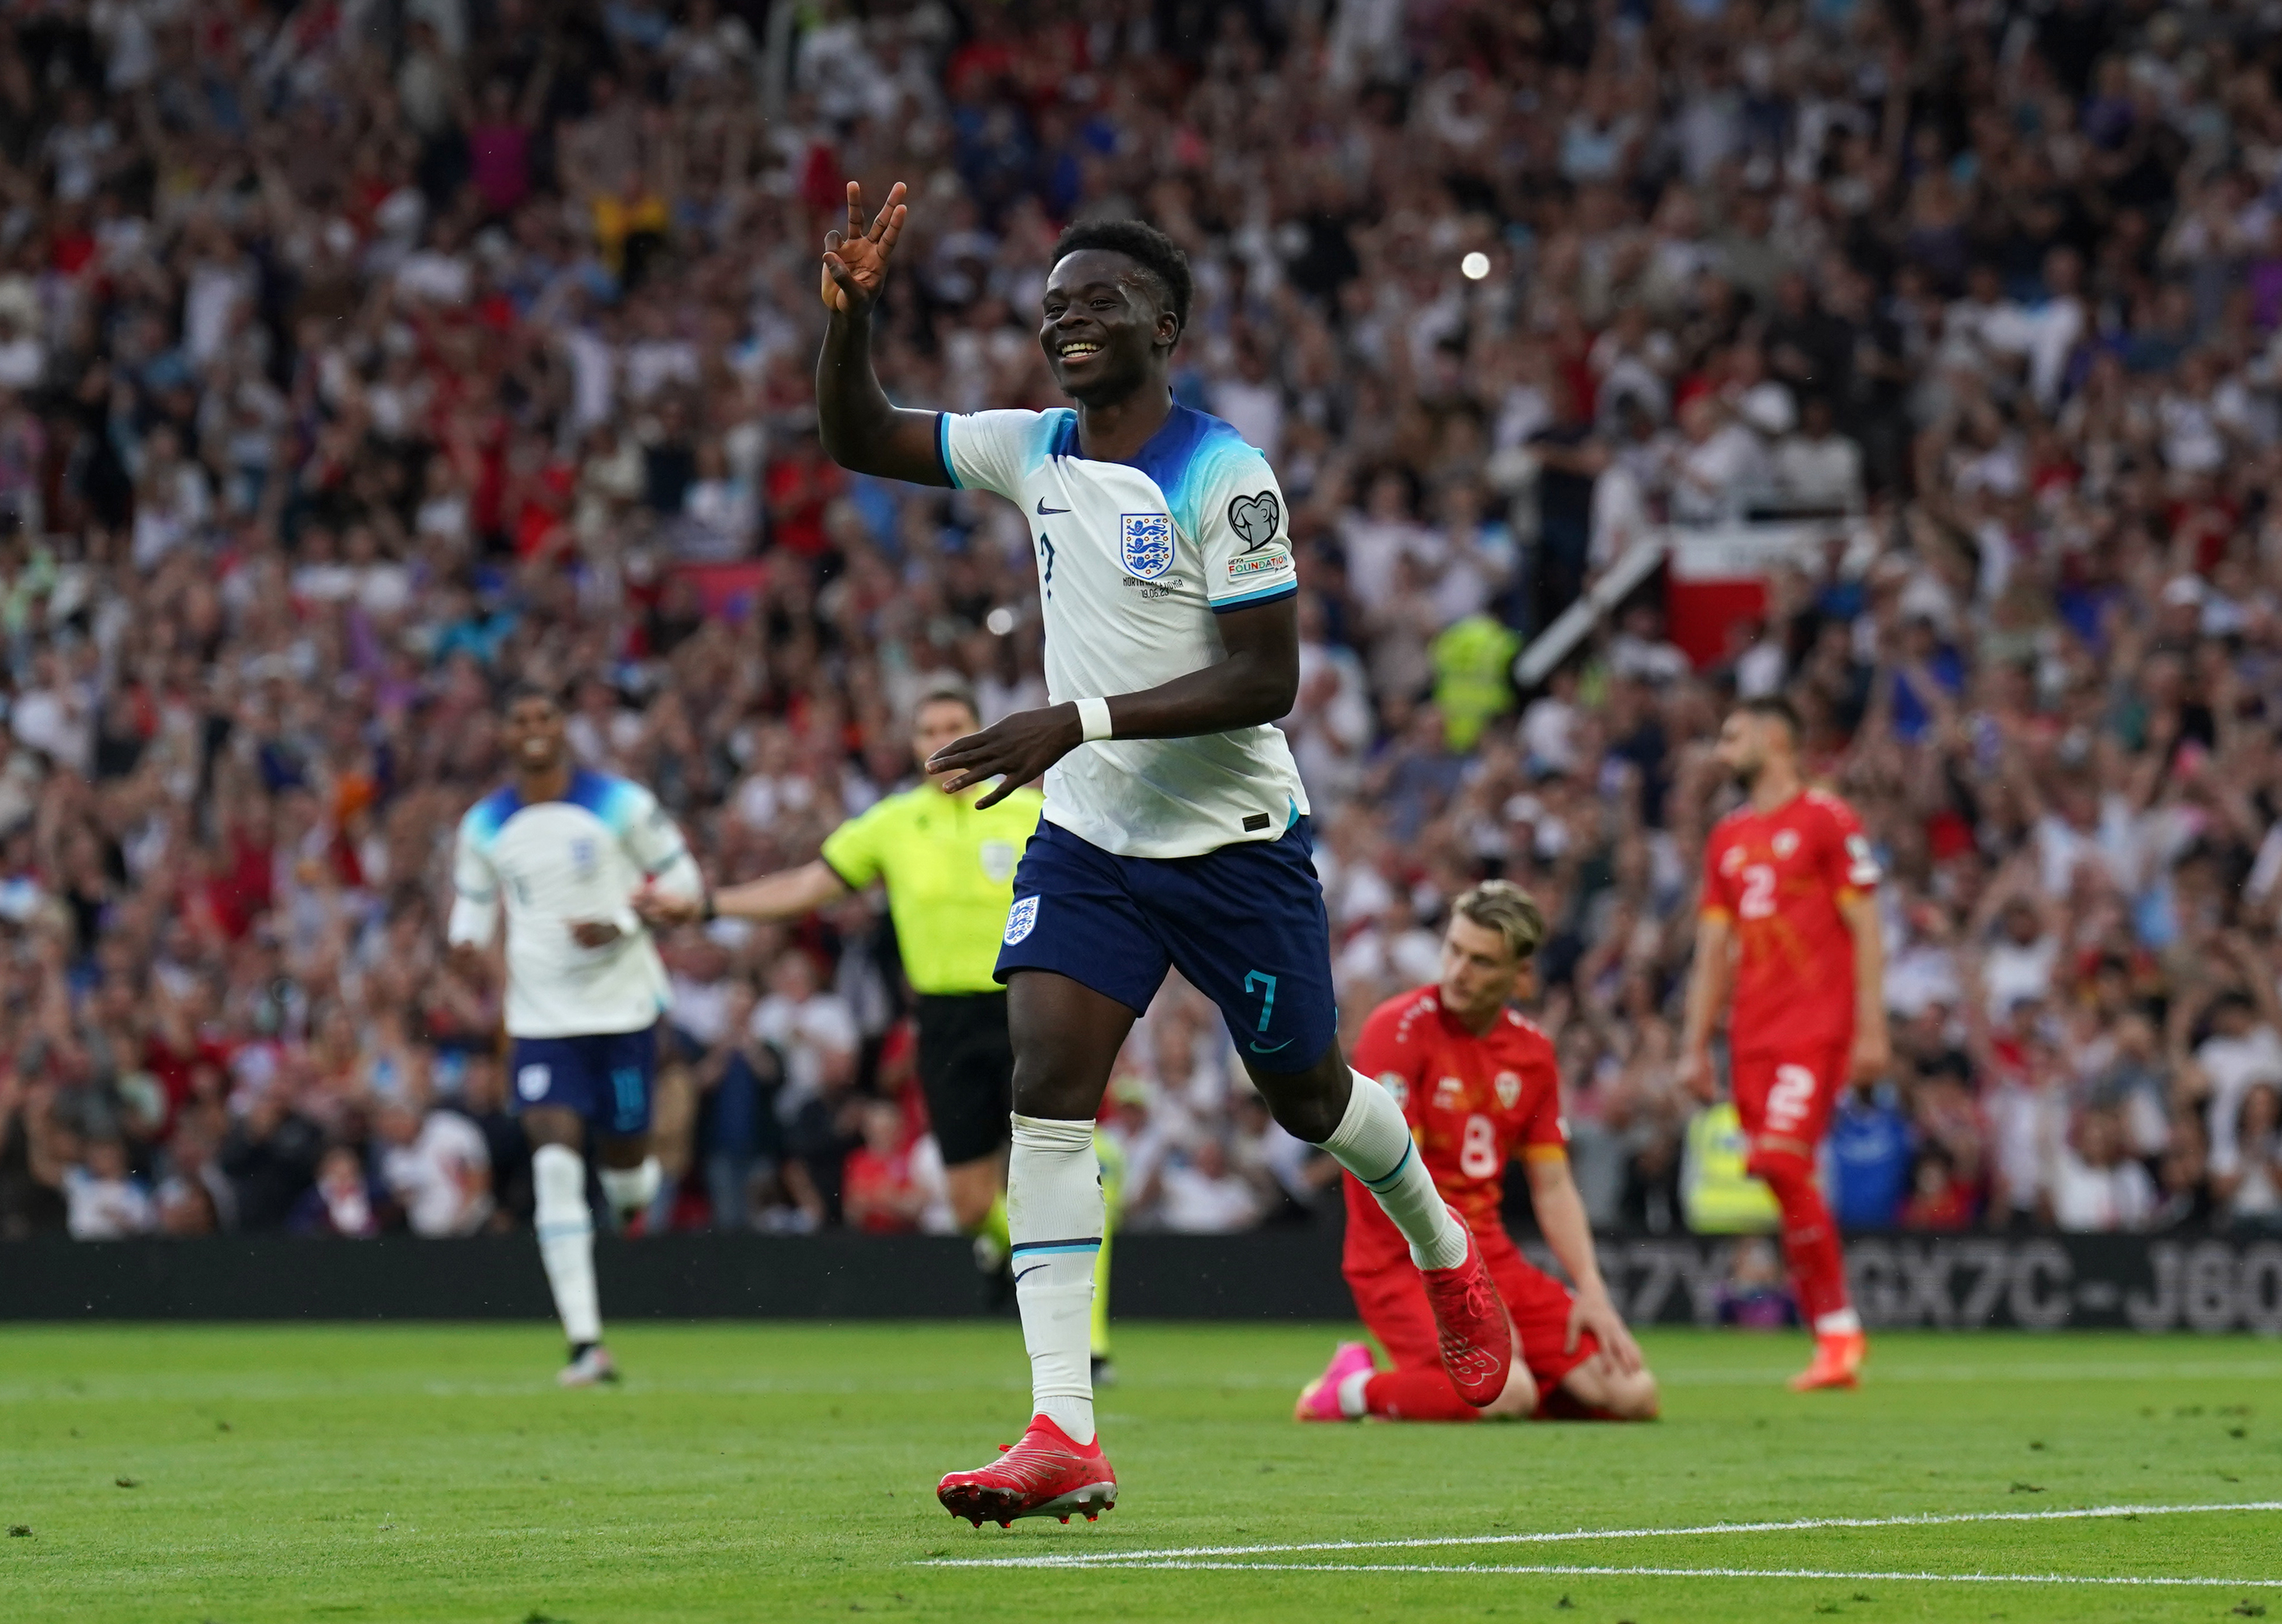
column 561, row 851
column 1174, row 832
column 573, row 1010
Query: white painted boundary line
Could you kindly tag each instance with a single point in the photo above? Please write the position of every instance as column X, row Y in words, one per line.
column 1679, row 1572
column 1108, row 1558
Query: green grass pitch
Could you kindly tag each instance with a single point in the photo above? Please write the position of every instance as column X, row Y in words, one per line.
column 418, row 1472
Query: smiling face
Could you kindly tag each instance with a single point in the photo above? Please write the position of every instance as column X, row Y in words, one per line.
column 532, row 733
column 1104, row 333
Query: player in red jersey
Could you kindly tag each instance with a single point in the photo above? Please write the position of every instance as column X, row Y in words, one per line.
column 1789, row 924
column 1478, row 1084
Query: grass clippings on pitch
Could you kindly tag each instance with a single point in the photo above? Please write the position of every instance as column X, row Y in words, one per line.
column 431, row 1472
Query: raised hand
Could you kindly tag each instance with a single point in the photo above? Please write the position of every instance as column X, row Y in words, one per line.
column 856, row 260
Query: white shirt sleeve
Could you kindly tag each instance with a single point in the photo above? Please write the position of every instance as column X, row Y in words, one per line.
column 1244, row 533
column 475, row 895
column 986, row 450
column 653, row 842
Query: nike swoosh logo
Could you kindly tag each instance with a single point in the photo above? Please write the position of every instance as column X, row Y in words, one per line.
column 1025, row 1273
column 1270, row 1049
column 1042, row 509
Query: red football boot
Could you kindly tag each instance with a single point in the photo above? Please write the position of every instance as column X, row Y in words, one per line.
column 1837, row 1363
column 1045, row 1475
column 1477, row 1335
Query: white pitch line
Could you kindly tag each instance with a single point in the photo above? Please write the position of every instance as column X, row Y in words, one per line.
column 1565, row 1570
column 1102, row 1559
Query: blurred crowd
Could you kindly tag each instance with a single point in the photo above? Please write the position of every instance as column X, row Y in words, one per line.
column 358, row 357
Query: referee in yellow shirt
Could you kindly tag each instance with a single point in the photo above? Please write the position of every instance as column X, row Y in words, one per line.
column 950, row 873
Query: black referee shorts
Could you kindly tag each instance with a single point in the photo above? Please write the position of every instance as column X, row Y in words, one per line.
column 967, row 1069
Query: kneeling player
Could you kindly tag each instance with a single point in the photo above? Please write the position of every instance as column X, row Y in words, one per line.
column 1475, row 1080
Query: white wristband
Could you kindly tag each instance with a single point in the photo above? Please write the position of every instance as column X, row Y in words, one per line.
column 1093, row 719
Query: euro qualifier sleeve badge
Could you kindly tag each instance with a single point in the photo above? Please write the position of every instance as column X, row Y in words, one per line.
column 1255, row 519
column 1145, row 544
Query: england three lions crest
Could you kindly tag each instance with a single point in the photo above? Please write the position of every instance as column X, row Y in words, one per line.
column 1145, row 544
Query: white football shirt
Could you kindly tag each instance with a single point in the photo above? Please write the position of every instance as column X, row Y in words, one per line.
column 1135, row 559
column 553, row 863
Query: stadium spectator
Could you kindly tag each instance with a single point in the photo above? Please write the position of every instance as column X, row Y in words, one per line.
column 2250, row 1182
column 881, row 1193
column 103, row 1200
column 342, row 1201
column 1871, row 1148
column 270, row 1155
column 1196, row 1190
column 2095, row 1185
column 436, row 1168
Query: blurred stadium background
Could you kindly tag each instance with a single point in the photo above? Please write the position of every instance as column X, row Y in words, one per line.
column 1616, row 357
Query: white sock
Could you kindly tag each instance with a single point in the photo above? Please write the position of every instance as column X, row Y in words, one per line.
column 1353, row 1404
column 1842, row 1322
column 631, row 1189
column 1054, row 1215
column 1373, row 1142
column 566, row 1239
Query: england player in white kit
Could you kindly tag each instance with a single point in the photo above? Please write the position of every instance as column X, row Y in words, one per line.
column 1176, row 828
column 561, row 849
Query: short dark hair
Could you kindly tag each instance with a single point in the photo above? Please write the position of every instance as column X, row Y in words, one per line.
column 1775, row 706
column 948, row 689
column 525, row 688
column 1158, row 256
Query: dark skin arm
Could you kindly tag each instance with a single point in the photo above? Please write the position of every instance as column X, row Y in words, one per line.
column 861, row 428
column 1257, row 683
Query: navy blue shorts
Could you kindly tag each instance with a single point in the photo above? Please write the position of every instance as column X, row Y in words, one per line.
column 604, row 1078
column 1245, row 923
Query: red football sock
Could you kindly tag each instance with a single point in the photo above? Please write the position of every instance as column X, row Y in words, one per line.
column 1818, row 1269
column 1415, row 1395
